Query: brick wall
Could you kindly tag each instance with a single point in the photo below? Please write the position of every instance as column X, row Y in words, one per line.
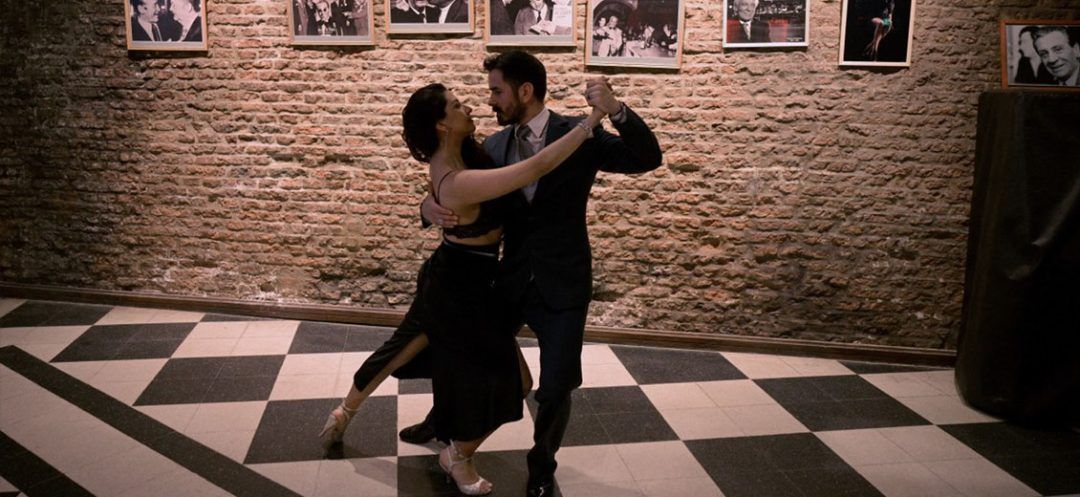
column 797, row 199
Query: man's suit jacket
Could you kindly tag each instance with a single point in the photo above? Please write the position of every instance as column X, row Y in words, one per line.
column 195, row 32
column 526, row 18
column 500, row 19
column 137, row 31
column 411, row 16
column 548, row 239
column 459, row 12
column 759, row 31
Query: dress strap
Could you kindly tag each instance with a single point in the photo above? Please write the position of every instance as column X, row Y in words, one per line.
column 438, row 187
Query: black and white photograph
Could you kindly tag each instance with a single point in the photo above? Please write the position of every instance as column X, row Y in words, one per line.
column 877, row 32
column 629, row 33
column 1040, row 54
column 429, row 16
column 766, row 23
column 164, row 25
column 330, row 22
column 530, row 23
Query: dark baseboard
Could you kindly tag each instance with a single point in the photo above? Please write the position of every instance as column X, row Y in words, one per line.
column 387, row 317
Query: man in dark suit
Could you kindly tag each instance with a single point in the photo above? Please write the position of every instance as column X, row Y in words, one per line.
column 450, row 11
column 500, row 18
column 546, row 271
column 535, row 12
column 745, row 28
column 144, row 20
column 188, row 14
column 416, row 11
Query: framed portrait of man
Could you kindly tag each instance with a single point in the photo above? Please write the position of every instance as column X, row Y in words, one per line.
column 766, row 23
column 876, row 32
column 1040, row 54
column 331, row 22
column 429, row 16
column 642, row 33
column 165, row 25
column 530, row 23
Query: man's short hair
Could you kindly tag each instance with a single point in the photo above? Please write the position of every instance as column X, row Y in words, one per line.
column 520, row 67
column 137, row 3
column 1029, row 30
column 1045, row 30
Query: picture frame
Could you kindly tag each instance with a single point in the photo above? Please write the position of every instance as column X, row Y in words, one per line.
column 766, row 23
column 430, row 16
column 646, row 33
column 325, row 22
column 877, row 33
column 509, row 23
column 158, row 25
column 1040, row 54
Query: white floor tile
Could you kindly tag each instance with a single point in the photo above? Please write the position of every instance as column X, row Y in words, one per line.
column 130, row 370
column 697, row 424
column 863, row 447
column 660, row 460
column 902, row 385
column 176, row 483
column 759, row 366
column 262, row 346
column 298, row 476
column 8, row 305
column 373, row 477
column 979, row 478
column 680, row 487
column 677, row 396
column 271, row 329
column 226, row 416
column 82, row 370
column 175, row 416
column 906, row 480
column 591, row 464
column 305, row 364
column 812, row 366
column 604, row 375
column 124, row 391
column 211, row 347
column 231, row 444
column 126, row 315
column 928, row 443
column 734, row 393
column 511, row 436
column 412, row 409
column 600, row 489
column 945, row 409
column 598, row 354
column 309, row 386
column 764, row 420
column 214, row 331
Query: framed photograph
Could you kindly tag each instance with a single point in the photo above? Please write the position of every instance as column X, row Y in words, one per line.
column 876, row 32
column 645, row 33
column 164, row 25
column 331, row 22
column 429, row 16
column 766, row 23
column 530, row 23
column 1040, row 54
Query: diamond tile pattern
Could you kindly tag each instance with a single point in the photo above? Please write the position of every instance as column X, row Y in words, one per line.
column 647, row 421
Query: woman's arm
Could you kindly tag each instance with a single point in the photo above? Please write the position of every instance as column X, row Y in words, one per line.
column 473, row 186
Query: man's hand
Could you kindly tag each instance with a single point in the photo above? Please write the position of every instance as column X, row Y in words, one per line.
column 437, row 214
column 598, row 92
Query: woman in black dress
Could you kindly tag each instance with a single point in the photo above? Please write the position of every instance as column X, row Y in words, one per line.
column 478, row 378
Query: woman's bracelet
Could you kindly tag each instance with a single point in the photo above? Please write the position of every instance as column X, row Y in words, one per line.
column 588, row 130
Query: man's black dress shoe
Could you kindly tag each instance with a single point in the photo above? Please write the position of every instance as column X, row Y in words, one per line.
column 419, row 433
column 544, row 489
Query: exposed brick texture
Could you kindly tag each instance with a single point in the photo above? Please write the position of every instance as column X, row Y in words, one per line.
column 797, row 199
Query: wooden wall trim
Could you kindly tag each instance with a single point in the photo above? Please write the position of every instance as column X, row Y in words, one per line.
column 388, row 317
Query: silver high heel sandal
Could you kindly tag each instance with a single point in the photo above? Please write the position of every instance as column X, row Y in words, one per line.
column 478, row 487
column 336, row 422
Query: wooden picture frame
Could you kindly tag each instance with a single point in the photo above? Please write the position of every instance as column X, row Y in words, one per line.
column 773, row 23
column 1031, row 54
column 157, row 25
column 319, row 22
column 508, row 23
column 649, row 34
column 877, row 32
column 430, row 16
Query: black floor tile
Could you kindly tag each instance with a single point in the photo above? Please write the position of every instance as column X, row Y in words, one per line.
column 634, row 427
column 315, row 337
column 213, row 379
column 10, row 494
column 1045, row 460
column 839, row 403
column 614, row 400
column 126, row 341
column 289, row 431
column 876, row 367
column 420, row 476
column 780, row 465
column 649, row 366
column 37, row 313
column 414, row 386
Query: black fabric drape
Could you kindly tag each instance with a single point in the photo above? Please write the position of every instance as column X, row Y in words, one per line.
column 1019, row 348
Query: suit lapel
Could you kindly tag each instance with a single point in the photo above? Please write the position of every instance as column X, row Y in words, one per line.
column 557, row 127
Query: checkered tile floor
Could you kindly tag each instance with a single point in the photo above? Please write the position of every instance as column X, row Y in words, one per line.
column 651, row 422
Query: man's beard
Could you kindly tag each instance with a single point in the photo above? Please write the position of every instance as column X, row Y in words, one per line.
column 510, row 117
